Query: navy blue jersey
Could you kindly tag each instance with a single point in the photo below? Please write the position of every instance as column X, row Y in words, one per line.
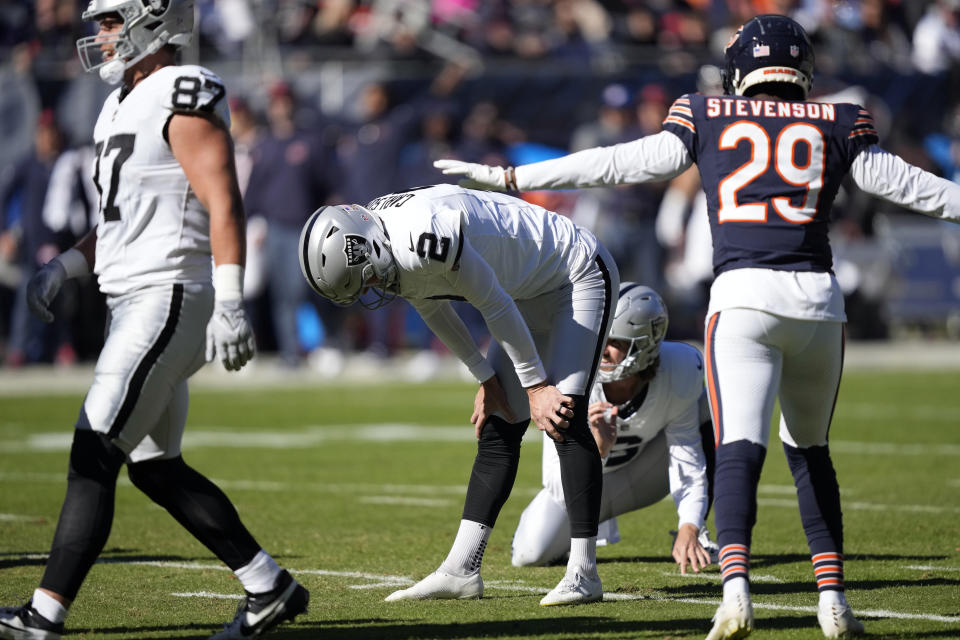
column 771, row 170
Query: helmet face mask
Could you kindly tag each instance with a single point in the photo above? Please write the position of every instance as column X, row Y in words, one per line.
column 147, row 26
column 639, row 327
column 769, row 49
column 345, row 256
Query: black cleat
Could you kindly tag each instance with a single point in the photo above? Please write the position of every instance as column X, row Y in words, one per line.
column 24, row 623
column 260, row 612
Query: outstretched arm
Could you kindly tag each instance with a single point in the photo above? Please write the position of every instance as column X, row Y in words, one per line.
column 657, row 157
column 888, row 176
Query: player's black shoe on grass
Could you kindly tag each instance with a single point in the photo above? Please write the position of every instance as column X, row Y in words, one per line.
column 24, row 623
column 260, row 612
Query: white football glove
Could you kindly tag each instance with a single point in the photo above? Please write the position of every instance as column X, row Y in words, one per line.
column 477, row 176
column 44, row 287
column 229, row 334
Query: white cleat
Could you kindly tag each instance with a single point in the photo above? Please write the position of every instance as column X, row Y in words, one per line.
column 440, row 585
column 837, row 621
column 575, row 590
column 732, row 620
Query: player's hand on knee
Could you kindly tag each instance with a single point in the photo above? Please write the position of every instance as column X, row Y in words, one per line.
column 476, row 176
column 490, row 398
column 229, row 335
column 687, row 549
column 43, row 288
column 550, row 410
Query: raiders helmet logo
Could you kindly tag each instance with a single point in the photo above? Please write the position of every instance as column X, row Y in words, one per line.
column 355, row 248
column 158, row 7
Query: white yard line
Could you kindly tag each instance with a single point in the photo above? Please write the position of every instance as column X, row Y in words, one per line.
column 716, row 577
column 307, row 436
column 866, row 506
column 929, row 567
column 378, row 580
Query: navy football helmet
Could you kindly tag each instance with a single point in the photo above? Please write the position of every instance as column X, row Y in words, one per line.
column 768, row 49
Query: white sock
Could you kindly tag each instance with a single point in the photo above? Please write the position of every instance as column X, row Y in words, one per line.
column 466, row 554
column 831, row 596
column 48, row 607
column 260, row 574
column 583, row 557
column 735, row 587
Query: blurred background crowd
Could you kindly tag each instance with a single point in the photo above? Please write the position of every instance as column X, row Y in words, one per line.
column 345, row 100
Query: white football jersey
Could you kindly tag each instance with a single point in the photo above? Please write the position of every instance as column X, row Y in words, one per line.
column 488, row 249
column 531, row 250
column 673, row 398
column 152, row 228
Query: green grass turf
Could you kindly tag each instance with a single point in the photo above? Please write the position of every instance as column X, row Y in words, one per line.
column 353, row 517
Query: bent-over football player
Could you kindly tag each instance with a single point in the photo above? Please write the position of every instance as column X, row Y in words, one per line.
column 546, row 289
column 770, row 163
column 168, row 201
column 650, row 417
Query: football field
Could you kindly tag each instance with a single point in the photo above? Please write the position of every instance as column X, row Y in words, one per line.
column 357, row 488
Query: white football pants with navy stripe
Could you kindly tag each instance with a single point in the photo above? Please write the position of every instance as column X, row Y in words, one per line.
column 753, row 359
column 155, row 341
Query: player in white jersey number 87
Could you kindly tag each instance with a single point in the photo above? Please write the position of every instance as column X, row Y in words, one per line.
column 169, row 201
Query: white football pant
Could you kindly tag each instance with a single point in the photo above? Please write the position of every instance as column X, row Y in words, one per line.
column 754, row 356
column 543, row 535
column 156, row 340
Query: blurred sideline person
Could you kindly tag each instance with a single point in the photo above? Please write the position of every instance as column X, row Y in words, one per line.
column 546, row 289
column 650, row 418
column 771, row 164
column 169, row 200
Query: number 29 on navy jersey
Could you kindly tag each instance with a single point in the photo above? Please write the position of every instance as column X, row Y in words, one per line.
column 770, row 170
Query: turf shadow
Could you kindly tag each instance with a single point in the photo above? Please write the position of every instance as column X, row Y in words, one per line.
column 567, row 627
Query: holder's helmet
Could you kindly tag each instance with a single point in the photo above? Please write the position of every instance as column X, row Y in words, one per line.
column 641, row 322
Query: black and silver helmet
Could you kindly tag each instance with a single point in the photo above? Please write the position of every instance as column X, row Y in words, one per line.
column 641, row 322
column 345, row 252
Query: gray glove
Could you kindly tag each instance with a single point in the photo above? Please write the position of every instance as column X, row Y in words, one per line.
column 228, row 333
column 476, row 176
column 43, row 288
